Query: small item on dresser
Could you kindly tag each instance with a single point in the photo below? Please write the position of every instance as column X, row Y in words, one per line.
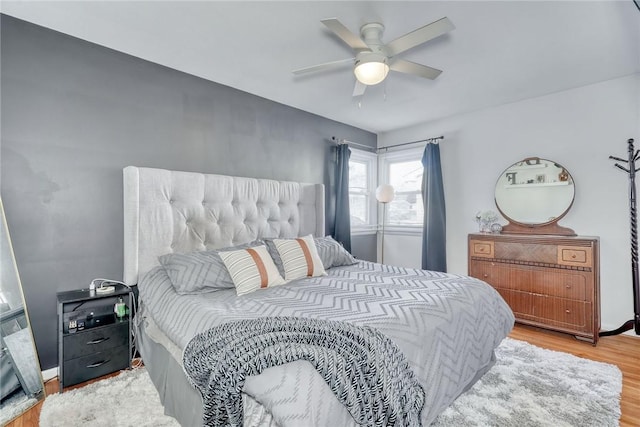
column 485, row 219
column 496, row 228
column 105, row 289
column 120, row 308
column 105, row 286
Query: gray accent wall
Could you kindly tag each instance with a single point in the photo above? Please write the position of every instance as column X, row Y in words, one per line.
column 75, row 113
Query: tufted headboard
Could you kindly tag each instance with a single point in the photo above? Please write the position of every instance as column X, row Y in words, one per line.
column 169, row 211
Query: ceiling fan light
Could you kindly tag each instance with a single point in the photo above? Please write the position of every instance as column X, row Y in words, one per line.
column 371, row 72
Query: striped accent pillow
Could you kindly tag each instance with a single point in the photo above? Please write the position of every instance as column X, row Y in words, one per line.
column 299, row 257
column 251, row 269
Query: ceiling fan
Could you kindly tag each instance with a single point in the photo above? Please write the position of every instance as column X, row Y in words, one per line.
column 373, row 59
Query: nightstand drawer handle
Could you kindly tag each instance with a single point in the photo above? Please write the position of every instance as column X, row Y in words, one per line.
column 98, row 341
column 100, row 363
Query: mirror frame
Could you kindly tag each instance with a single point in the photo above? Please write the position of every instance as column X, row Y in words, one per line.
column 34, row 398
column 550, row 227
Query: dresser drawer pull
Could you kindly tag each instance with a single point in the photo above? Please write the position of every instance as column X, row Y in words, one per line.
column 568, row 286
column 97, row 364
column 485, row 275
column 98, row 341
column 568, row 311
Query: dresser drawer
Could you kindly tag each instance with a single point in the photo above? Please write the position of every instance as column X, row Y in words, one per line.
column 95, row 340
column 95, row 365
column 571, row 285
column 521, row 303
column 548, row 310
column 575, row 255
column 562, row 311
column 481, row 248
column 501, row 276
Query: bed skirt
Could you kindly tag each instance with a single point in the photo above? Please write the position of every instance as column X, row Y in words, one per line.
column 180, row 400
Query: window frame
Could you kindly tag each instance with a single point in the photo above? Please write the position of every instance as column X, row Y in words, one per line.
column 384, row 162
column 370, row 159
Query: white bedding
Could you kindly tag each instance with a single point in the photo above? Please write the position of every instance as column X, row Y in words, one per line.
column 446, row 325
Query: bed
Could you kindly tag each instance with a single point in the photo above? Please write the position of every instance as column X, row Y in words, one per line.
column 445, row 326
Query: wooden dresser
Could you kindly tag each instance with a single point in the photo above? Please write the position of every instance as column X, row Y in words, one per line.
column 548, row 281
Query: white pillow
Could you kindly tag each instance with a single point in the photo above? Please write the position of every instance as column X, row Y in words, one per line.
column 299, row 257
column 251, row 269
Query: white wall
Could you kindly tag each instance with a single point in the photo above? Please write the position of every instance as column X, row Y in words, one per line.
column 401, row 249
column 578, row 128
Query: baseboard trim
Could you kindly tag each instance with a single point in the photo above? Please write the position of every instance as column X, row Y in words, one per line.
column 49, row 374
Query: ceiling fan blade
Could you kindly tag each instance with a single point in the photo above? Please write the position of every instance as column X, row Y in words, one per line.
column 345, row 34
column 359, row 88
column 419, row 36
column 325, row 66
column 408, row 67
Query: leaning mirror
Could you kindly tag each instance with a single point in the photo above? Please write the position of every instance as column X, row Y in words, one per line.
column 21, row 384
column 533, row 195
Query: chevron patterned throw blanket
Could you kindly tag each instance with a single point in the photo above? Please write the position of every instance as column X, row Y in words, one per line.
column 364, row 369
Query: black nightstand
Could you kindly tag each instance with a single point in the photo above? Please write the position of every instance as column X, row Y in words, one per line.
column 92, row 340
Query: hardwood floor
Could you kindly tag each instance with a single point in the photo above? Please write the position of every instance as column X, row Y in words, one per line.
column 621, row 350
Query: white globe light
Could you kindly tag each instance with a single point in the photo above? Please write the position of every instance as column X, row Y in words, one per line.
column 385, row 193
column 371, row 72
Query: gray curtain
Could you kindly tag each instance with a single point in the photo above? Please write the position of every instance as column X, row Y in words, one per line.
column 342, row 226
column 434, row 249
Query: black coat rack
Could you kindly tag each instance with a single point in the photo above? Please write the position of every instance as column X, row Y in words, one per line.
column 631, row 170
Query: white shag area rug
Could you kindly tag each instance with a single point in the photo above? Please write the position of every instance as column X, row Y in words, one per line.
column 527, row 387
column 14, row 406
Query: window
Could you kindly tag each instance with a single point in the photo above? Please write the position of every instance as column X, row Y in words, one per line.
column 404, row 170
column 362, row 178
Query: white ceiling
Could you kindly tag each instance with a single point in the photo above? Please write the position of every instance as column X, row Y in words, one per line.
column 500, row 52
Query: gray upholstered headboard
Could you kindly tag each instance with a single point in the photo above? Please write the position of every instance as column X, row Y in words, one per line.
column 169, row 211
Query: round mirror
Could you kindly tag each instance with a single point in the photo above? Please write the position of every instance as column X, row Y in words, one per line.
column 535, row 193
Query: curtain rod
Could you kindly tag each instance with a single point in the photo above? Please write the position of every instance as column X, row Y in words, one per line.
column 412, row 142
column 344, row 141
